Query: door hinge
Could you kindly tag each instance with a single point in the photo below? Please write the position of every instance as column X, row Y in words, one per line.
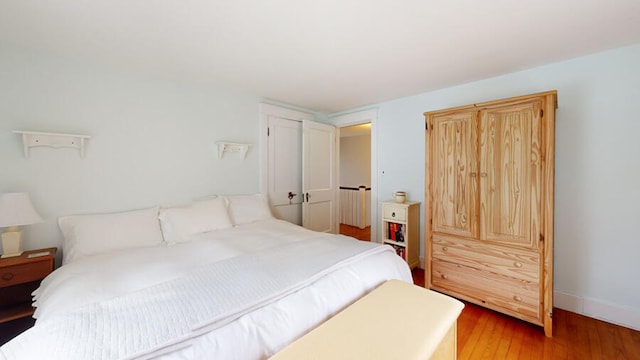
column 267, row 131
column 541, row 113
column 541, row 237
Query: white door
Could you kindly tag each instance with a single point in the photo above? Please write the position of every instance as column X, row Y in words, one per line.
column 285, row 168
column 319, row 209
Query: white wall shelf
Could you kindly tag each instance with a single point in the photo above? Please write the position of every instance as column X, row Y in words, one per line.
column 231, row 147
column 55, row 140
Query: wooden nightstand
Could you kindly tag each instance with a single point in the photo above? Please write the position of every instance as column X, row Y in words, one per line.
column 401, row 229
column 19, row 276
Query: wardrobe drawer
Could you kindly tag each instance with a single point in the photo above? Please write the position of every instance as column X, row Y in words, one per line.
column 521, row 297
column 520, row 264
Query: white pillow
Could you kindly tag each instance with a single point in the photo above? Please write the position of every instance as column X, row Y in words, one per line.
column 246, row 209
column 179, row 224
column 99, row 233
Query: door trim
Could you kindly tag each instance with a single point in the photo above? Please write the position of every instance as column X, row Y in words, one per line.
column 357, row 118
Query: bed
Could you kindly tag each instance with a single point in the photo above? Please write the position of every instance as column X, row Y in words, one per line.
column 219, row 278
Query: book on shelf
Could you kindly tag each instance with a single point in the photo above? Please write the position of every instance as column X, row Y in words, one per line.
column 400, row 251
column 395, row 232
column 400, row 233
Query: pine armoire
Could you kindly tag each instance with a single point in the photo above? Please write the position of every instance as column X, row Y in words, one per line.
column 489, row 205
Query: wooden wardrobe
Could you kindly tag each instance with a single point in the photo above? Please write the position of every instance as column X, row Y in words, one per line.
column 489, row 205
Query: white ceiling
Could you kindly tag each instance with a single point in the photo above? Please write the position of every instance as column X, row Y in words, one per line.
column 325, row 55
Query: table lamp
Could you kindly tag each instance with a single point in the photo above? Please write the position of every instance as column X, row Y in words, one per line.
column 15, row 210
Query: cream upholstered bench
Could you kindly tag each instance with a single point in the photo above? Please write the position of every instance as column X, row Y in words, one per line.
column 397, row 320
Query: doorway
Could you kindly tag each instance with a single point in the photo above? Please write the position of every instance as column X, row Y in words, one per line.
column 355, row 181
column 298, row 168
column 346, row 124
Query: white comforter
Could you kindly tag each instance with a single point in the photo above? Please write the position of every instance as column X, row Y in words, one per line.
column 261, row 326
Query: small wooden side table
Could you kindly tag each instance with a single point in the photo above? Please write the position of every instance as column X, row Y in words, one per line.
column 19, row 276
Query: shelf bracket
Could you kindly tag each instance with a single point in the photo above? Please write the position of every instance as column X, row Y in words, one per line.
column 54, row 140
column 224, row 146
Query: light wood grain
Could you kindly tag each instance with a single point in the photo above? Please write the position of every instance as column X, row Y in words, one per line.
column 489, row 236
column 507, row 192
column 428, row 220
column 454, row 201
column 515, row 297
column 517, row 263
column 547, row 199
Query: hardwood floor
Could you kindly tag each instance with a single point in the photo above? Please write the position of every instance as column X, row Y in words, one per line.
column 486, row 334
column 356, row 232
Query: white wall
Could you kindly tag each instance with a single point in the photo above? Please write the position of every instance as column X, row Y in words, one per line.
column 153, row 141
column 597, row 241
column 355, row 161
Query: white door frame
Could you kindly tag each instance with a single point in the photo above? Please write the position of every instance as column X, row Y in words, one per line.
column 357, row 118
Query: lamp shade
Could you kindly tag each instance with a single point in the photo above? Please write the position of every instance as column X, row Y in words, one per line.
column 16, row 210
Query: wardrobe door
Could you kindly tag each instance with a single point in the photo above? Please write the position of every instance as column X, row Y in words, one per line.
column 454, row 176
column 510, row 174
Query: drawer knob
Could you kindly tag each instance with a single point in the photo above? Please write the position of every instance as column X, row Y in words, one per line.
column 517, row 298
column 445, row 249
column 517, row 264
column 393, row 214
column 444, row 276
column 7, row 276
